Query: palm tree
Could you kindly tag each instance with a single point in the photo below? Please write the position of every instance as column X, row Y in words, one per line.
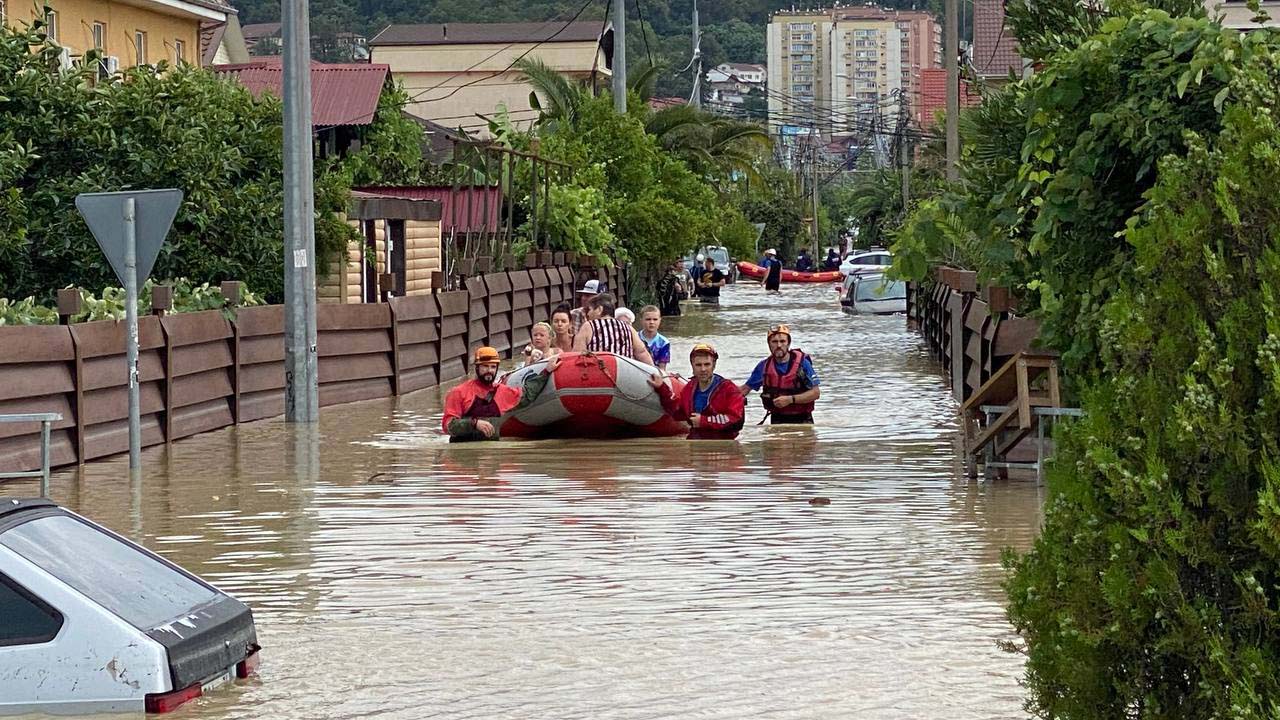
column 558, row 98
column 710, row 144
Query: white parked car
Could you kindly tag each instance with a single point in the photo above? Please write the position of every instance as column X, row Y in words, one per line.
column 93, row 623
column 874, row 260
column 875, row 295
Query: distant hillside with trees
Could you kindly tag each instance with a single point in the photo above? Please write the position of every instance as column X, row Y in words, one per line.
column 732, row 30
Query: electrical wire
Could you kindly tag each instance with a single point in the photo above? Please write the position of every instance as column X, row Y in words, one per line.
column 644, row 32
column 367, row 116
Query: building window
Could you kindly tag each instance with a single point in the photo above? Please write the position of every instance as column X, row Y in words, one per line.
column 99, row 35
column 140, row 46
column 51, row 24
column 179, row 51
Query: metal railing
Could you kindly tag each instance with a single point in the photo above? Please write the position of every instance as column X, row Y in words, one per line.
column 46, row 421
column 1041, row 413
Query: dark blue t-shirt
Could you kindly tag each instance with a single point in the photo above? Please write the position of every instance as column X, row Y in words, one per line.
column 702, row 397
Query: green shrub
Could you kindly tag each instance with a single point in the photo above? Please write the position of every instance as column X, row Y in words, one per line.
column 110, row 305
column 1154, row 589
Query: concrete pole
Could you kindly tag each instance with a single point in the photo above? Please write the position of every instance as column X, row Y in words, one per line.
column 950, row 56
column 301, row 400
column 131, row 325
column 620, row 56
column 905, row 140
column 695, row 98
column 813, row 184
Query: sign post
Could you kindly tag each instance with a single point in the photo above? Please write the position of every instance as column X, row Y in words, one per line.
column 130, row 227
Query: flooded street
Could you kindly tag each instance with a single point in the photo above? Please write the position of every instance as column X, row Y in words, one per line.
column 394, row 575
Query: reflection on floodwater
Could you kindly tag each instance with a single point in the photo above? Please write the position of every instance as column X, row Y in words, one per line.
column 394, row 574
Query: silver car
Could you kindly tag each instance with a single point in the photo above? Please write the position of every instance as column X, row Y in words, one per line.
column 93, row 623
column 876, row 295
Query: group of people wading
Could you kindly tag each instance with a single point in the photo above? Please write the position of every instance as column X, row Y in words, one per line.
column 712, row 405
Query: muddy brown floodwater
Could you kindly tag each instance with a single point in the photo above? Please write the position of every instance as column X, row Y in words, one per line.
column 394, row 575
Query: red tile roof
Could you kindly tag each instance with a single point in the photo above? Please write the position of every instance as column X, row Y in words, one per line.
column 345, row 94
column 933, row 94
column 995, row 49
column 662, row 103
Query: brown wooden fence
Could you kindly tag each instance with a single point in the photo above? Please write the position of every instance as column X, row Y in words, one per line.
column 202, row 371
column 971, row 330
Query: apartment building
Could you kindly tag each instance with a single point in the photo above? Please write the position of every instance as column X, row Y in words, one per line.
column 127, row 32
column 798, row 68
column 844, row 70
column 920, row 45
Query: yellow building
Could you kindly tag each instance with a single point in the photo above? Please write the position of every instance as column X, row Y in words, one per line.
column 127, row 32
column 455, row 70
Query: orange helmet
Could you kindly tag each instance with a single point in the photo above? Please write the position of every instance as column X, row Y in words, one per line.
column 486, row 356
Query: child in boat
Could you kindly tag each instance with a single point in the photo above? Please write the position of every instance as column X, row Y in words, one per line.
column 659, row 346
column 539, row 347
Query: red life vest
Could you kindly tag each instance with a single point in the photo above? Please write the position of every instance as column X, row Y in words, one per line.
column 777, row 385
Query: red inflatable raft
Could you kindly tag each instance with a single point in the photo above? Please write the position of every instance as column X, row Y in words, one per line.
column 753, row 270
column 593, row 396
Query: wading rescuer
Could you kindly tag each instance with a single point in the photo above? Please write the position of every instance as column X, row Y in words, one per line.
column 790, row 385
column 710, row 403
column 772, row 280
column 473, row 410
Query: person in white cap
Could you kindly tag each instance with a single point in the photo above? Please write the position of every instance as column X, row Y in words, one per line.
column 590, row 289
column 772, row 281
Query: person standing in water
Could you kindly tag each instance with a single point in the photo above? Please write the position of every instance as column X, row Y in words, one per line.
column 772, row 280
column 473, row 410
column 710, row 403
column 710, row 282
column 787, row 379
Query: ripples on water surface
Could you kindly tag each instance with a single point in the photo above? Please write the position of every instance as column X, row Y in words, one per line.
column 394, row 575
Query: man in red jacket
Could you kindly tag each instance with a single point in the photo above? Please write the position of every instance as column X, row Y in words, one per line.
column 473, row 409
column 711, row 404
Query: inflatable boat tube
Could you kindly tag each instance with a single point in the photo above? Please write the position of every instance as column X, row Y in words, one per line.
column 752, row 270
column 593, row 395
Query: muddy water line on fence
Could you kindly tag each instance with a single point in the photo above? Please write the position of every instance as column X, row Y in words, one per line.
column 393, row 574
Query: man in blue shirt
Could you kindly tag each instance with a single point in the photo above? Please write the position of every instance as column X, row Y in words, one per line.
column 772, row 280
column 788, row 383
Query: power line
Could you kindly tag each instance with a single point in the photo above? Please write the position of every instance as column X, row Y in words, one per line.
column 644, row 32
column 365, row 117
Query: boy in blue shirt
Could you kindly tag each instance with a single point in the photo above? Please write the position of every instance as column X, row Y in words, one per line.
column 659, row 347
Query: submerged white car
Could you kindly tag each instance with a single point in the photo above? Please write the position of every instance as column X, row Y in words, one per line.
column 93, row 623
column 859, row 262
column 875, row 295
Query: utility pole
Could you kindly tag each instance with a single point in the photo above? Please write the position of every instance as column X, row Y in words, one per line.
column 950, row 55
column 301, row 387
column 813, row 188
column 620, row 56
column 695, row 98
column 904, row 140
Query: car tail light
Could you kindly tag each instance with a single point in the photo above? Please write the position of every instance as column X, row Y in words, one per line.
column 248, row 666
column 170, row 701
